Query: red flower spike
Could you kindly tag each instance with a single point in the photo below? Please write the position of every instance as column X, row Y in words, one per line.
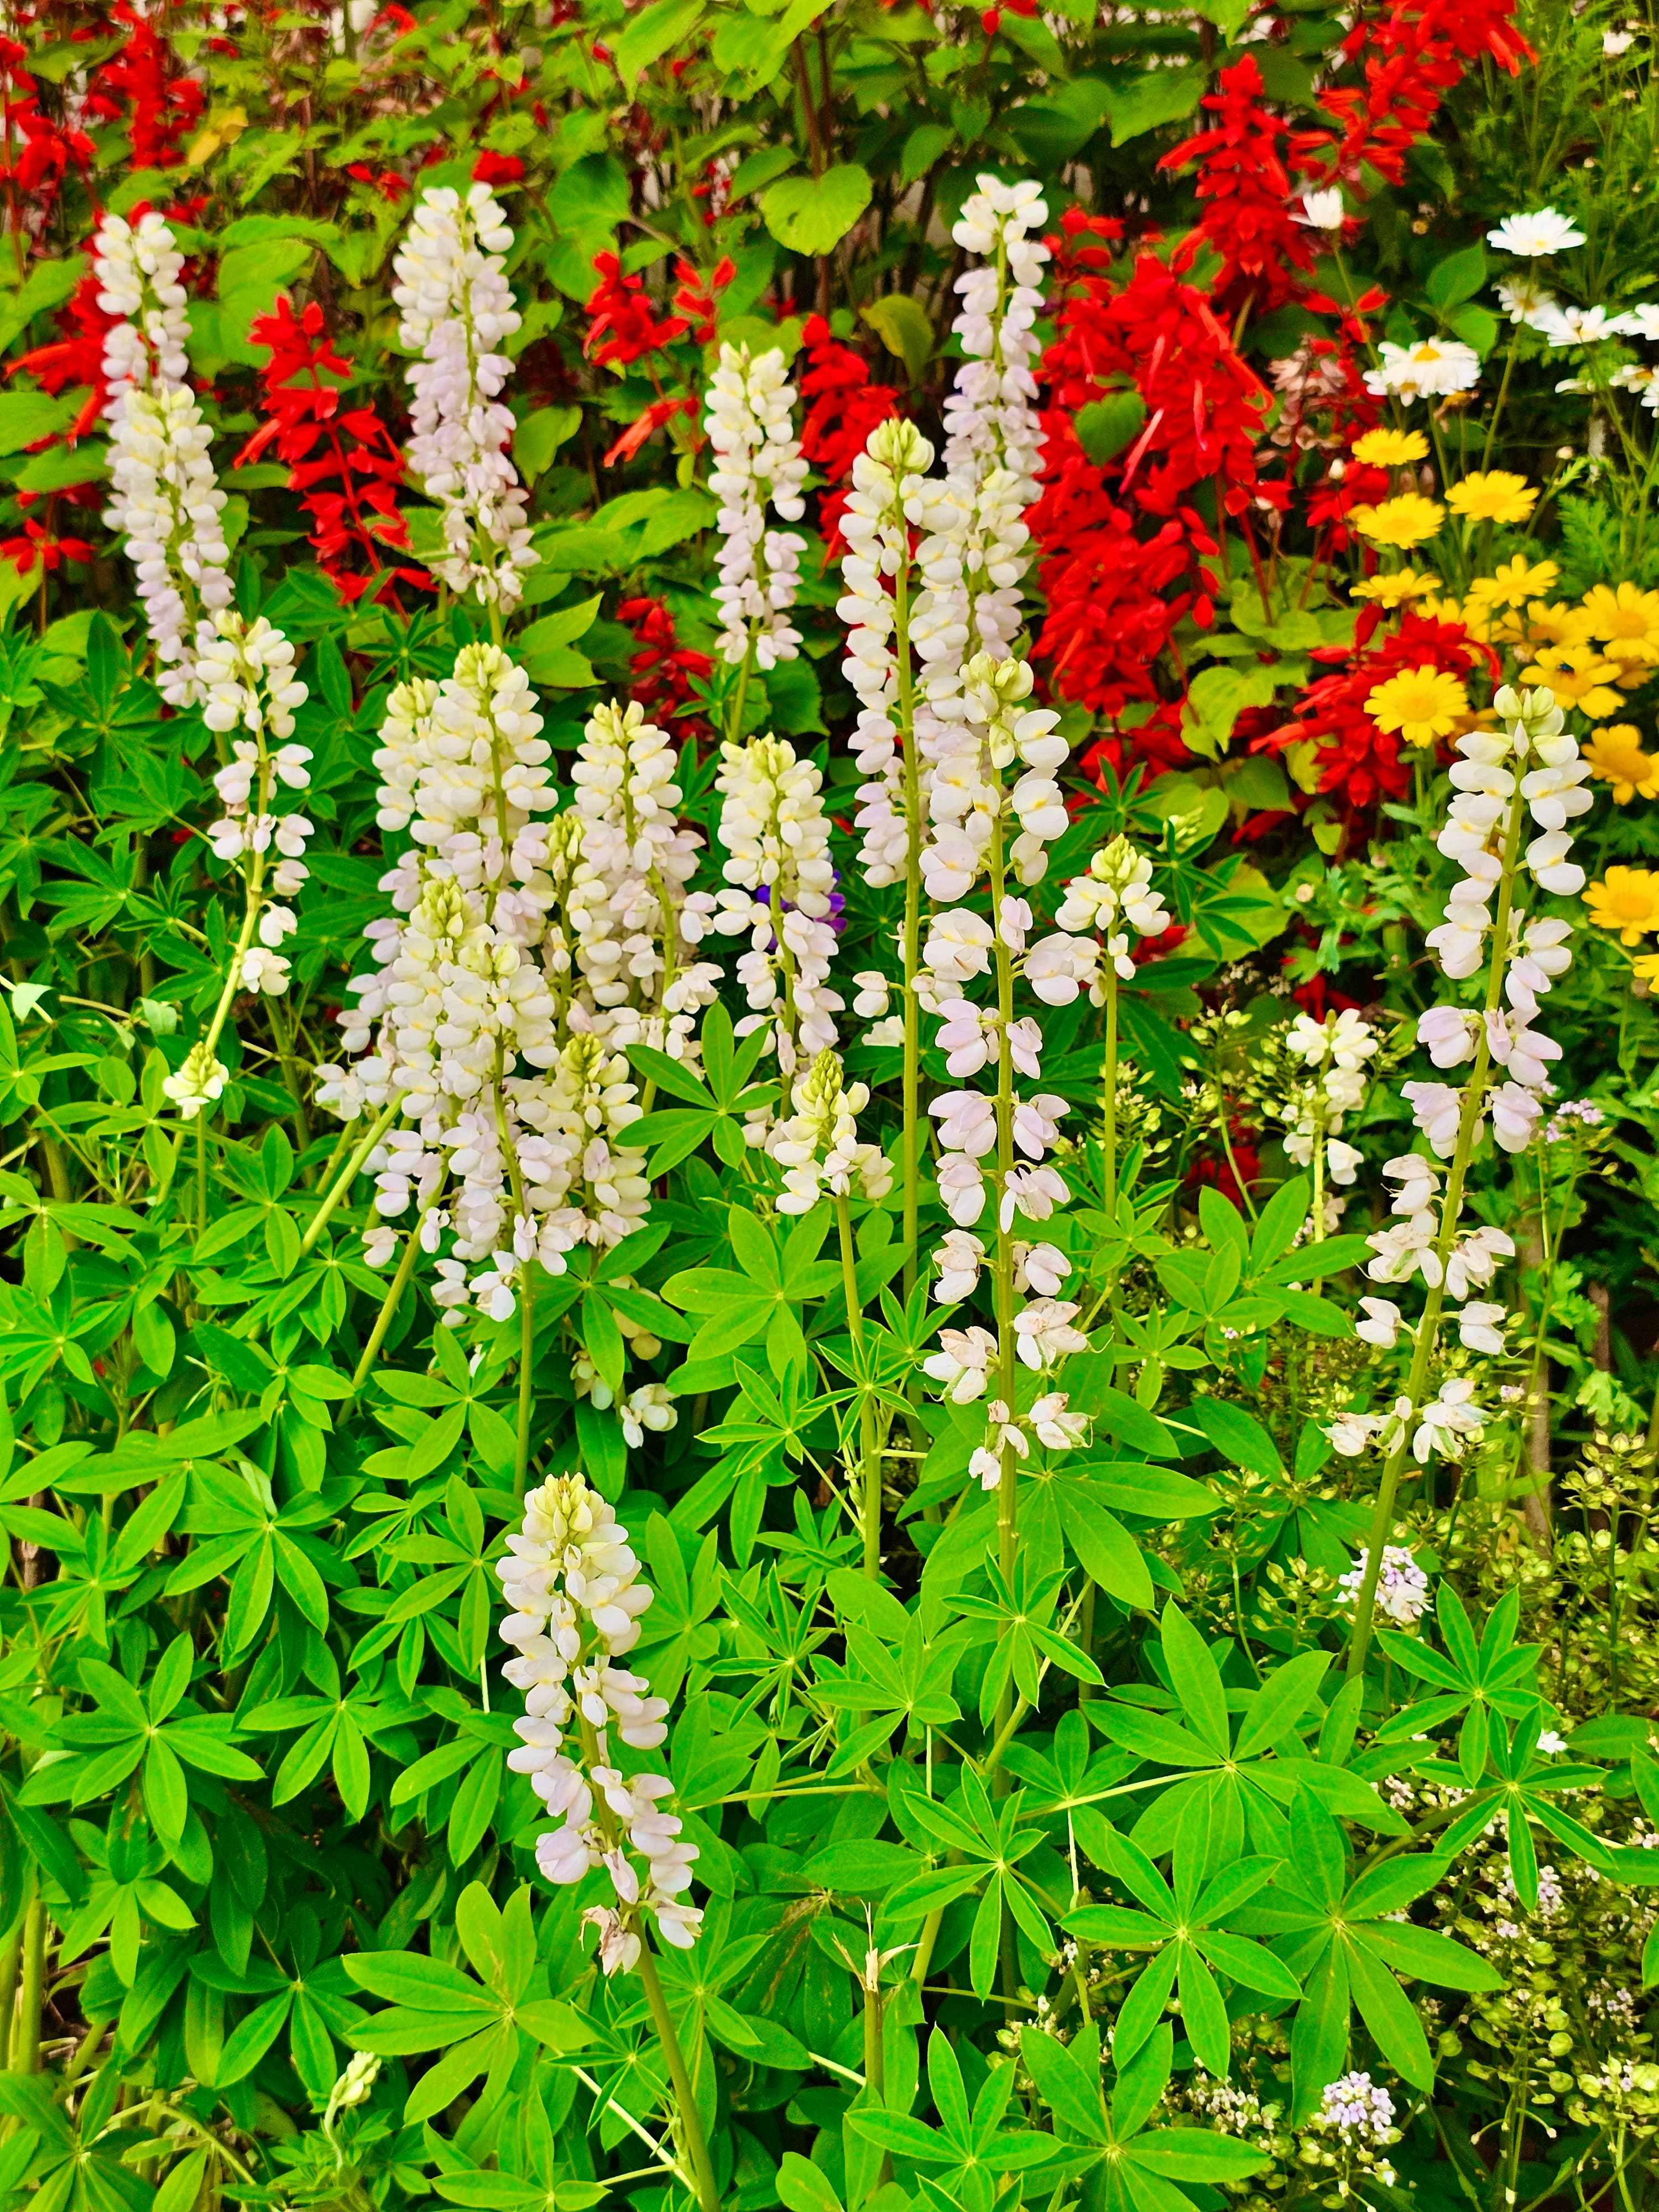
column 343, row 461
column 663, row 669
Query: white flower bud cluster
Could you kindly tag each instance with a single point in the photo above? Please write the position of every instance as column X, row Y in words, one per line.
column 459, row 1023
column 978, row 1156
column 974, row 552
column 776, row 837
column 757, row 462
column 888, row 490
column 195, row 1085
column 457, row 308
column 1530, row 756
column 1116, row 889
column 140, row 271
column 576, row 1594
column 1334, row 1053
column 990, row 418
column 1530, row 761
column 967, row 803
column 166, row 499
column 245, row 677
column 623, row 929
column 819, row 1145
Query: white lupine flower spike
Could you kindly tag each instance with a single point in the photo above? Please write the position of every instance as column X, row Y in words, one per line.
column 577, row 1600
column 1524, row 774
column 457, row 309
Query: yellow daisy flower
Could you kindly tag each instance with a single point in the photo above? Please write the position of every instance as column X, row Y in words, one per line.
column 1553, row 622
column 1625, row 620
column 1579, row 676
column 1515, row 581
column 1614, row 755
column 1421, row 704
column 1406, row 520
column 1452, row 611
column 1393, row 590
column 1628, row 900
column 1495, row 495
column 1646, row 969
column 1391, row 449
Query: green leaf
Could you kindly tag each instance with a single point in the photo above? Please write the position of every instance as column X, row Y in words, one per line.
column 1105, row 427
column 654, row 31
column 1151, row 99
column 901, row 325
column 812, row 215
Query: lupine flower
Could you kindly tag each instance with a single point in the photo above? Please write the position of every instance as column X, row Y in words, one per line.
column 166, row 499
column 456, row 306
column 776, row 837
column 1353, row 2108
column 577, row 1598
column 757, row 462
column 1402, row 1593
column 818, row 1144
column 875, row 525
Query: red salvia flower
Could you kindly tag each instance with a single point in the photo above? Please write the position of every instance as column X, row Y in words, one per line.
column 698, row 300
column 1413, row 54
column 343, row 461
column 1124, row 555
column 40, row 544
column 623, row 326
column 139, row 82
column 659, row 412
column 1245, row 189
column 498, row 170
column 76, row 358
column 844, row 403
column 662, row 670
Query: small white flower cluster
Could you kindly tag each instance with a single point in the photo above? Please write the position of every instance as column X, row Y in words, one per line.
column 576, row 1594
column 1527, row 767
column 887, row 491
column 757, row 462
column 1116, row 889
column 990, row 417
column 819, row 1145
column 461, row 1026
column 1355, row 2109
column 622, row 932
column 1402, row 1588
column 1334, row 1053
column 166, row 499
column 1532, row 756
column 457, row 308
column 1431, row 369
column 978, row 1154
column 776, row 837
column 967, row 805
column 245, row 672
column 140, row 274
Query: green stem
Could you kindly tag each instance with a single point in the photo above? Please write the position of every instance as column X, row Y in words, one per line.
column 911, row 1138
column 869, row 1483
column 347, row 1177
column 709, row 2196
column 1428, row 1328
column 24, row 2056
column 1109, row 1137
column 411, row 1252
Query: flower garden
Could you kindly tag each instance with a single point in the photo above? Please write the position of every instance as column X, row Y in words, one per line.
column 829, row 905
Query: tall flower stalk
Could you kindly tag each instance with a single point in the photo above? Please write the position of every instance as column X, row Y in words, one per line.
column 750, row 423
column 167, row 504
column 577, row 1598
column 1527, row 773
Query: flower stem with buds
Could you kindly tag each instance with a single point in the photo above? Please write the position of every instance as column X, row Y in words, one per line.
column 1468, row 1123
